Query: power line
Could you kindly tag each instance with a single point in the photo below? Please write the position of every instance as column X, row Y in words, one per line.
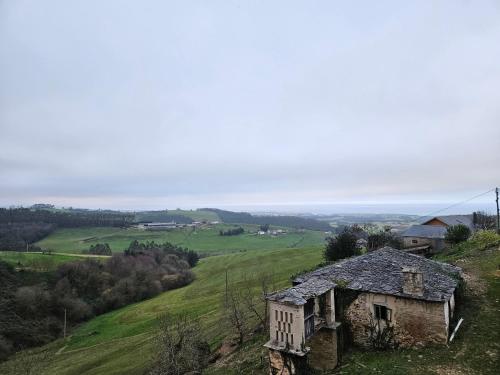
column 459, row 203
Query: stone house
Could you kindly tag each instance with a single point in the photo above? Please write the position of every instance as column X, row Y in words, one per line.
column 424, row 238
column 449, row 220
column 347, row 302
column 429, row 237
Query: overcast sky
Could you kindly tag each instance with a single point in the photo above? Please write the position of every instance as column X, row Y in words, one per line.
column 154, row 104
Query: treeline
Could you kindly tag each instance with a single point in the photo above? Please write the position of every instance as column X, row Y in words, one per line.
column 32, row 313
column 151, row 247
column 98, row 249
column 161, row 216
column 66, row 218
column 21, row 227
column 232, row 232
column 16, row 236
column 281, row 221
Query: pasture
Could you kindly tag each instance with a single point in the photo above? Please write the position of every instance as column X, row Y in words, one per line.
column 35, row 261
column 203, row 240
column 120, row 342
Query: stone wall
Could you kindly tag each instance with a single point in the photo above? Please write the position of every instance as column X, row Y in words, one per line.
column 415, row 322
column 324, row 353
column 283, row 363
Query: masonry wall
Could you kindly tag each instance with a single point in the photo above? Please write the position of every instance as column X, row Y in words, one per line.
column 286, row 324
column 436, row 244
column 283, row 363
column 415, row 322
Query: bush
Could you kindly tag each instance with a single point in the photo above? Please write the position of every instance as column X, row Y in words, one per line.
column 342, row 246
column 99, row 249
column 457, row 233
column 381, row 239
column 232, row 232
column 484, row 239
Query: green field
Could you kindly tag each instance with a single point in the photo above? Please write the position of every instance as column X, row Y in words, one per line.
column 34, row 261
column 204, row 240
column 119, row 342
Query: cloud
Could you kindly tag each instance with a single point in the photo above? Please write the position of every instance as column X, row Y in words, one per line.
column 126, row 105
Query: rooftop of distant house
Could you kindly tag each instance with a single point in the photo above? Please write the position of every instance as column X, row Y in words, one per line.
column 379, row 271
column 450, row 220
column 425, row 231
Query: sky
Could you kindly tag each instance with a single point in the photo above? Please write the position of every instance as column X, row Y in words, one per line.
column 165, row 104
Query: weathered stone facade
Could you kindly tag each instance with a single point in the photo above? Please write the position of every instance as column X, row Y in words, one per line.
column 283, row 363
column 324, row 350
column 415, row 322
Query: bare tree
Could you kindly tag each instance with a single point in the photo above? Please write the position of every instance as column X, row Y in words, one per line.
column 257, row 304
column 483, row 220
column 236, row 313
column 181, row 347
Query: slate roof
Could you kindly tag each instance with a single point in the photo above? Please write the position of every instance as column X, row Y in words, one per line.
column 425, row 231
column 453, row 220
column 298, row 295
column 377, row 272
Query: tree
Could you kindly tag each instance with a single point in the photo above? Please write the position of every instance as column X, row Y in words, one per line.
column 383, row 238
column 457, row 233
column 264, row 227
column 483, row 220
column 236, row 313
column 340, row 247
column 255, row 304
column 181, row 347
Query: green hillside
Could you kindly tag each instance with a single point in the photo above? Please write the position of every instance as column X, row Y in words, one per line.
column 204, row 240
column 120, row 342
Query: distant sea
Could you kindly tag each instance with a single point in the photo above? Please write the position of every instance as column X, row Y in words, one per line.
column 422, row 209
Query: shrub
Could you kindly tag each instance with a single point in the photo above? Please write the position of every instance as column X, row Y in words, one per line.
column 99, row 249
column 382, row 238
column 342, row 246
column 457, row 233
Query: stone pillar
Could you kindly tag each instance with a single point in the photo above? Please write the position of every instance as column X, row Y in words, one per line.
column 330, row 307
column 286, row 363
column 324, row 349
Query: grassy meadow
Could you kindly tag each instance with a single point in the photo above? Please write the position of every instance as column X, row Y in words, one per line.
column 203, row 240
column 120, row 342
column 35, row 261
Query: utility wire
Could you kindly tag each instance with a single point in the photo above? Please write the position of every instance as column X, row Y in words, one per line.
column 459, row 203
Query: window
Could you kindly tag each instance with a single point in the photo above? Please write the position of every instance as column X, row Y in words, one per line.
column 279, row 326
column 289, row 328
column 286, row 316
column 291, row 339
column 291, row 318
column 382, row 312
column 281, row 315
column 414, row 241
column 276, row 335
column 281, row 336
column 276, row 314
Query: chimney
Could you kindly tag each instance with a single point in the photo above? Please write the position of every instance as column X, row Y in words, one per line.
column 413, row 281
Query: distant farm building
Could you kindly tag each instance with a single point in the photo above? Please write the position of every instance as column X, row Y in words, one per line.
column 425, row 237
column 350, row 302
column 429, row 237
column 449, row 220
